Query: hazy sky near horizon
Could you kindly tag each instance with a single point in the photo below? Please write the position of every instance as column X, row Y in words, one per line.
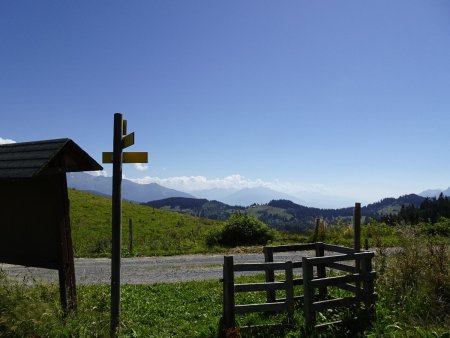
column 344, row 98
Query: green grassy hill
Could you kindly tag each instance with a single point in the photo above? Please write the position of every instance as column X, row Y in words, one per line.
column 155, row 232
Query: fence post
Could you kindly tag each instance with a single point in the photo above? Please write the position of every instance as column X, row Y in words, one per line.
column 357, row 241
column 321, row 271
column 270, row 274
column 228, row 293
column 316, row 230
column 357, row 227
column 368, row 289
column 310, row 315
column 130, row 236
column 289, row 275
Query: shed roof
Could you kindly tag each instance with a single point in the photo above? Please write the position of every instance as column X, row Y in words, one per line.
column 29, row 159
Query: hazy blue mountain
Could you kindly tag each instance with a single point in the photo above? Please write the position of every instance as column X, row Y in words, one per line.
column 430, row 193
column 435, row 192
column 214, row 194
column 130, row 190
column 259, row 195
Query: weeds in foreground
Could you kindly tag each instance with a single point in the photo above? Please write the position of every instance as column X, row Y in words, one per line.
column 415, row 283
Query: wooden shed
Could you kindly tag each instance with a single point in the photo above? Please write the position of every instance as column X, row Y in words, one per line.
column 34, row 207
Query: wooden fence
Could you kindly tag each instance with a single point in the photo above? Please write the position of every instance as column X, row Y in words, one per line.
column 230, row 309
column 360, row 274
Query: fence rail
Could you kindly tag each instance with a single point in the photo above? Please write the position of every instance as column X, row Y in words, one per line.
column 363, row 277
column 230, row 309
column 359, row 279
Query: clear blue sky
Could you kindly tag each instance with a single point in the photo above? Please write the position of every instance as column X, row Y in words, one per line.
column 345, row 98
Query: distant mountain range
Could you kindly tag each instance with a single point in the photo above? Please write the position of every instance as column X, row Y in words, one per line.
column 229, row 197
column 130, row 191
column 283, row 214
column 153, row 191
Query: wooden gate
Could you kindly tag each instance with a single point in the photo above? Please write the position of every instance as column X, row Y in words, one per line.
column 230, row 309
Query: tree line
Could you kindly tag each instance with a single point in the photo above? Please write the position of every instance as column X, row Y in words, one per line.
column 429, row 211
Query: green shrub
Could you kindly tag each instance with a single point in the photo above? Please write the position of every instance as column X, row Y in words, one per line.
column 440, row 228
column 241, row 229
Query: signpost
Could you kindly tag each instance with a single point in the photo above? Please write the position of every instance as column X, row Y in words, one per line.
column 120, row 141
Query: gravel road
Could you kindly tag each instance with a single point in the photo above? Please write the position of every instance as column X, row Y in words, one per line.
column 145, row 270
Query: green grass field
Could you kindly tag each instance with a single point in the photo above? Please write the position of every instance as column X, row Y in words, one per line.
column 155, row 232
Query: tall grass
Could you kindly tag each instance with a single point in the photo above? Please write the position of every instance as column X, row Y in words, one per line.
column 415, row 281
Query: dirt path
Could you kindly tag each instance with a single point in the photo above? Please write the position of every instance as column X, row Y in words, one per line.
column 143, row 270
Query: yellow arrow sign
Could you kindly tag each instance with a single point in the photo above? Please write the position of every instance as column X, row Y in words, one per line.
column 135, row 157
column 107, row 157
column 128, row 140
column 128, row 157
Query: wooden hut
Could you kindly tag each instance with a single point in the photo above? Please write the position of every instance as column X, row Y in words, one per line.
column 34, row 207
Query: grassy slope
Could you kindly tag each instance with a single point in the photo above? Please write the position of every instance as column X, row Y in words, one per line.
column 155, row 232
column 158, row 232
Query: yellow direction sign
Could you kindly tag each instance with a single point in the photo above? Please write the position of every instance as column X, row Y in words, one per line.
column 128, row 157
column 128, row 140
column 135, row 157
column 107, row 157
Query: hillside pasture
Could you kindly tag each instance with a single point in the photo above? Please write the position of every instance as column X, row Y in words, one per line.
column 155, row 232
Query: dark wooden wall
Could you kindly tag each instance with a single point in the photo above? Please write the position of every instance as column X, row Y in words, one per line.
column 31, row 212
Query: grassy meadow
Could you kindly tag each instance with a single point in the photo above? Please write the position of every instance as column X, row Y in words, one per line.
column 155, row 232
column 159, row 232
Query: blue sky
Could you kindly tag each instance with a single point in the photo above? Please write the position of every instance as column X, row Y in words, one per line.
column 345, row 99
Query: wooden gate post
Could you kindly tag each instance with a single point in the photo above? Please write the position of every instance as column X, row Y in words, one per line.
column 289, row 275
column 321, row 271
column 228, row 293
column 270, row 274
column 368, row 288
column 357, row 227
column 308, row 292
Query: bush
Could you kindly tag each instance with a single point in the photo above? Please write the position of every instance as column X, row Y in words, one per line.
column 242, row 229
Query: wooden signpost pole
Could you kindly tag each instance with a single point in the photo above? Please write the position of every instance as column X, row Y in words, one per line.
column 120, row 141
column 116, row 223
